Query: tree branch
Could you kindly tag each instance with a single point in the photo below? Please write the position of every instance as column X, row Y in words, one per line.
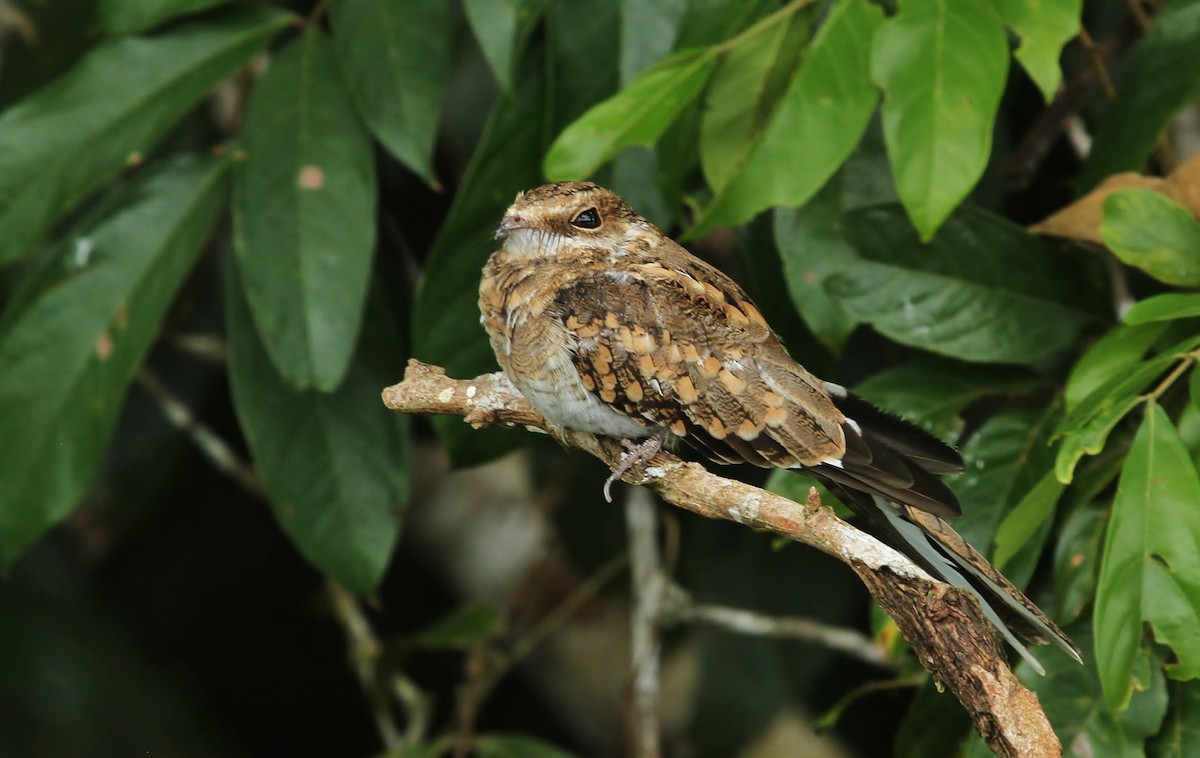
column 945, row 627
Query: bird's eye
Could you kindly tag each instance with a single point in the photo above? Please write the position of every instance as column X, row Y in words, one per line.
column 588, row 219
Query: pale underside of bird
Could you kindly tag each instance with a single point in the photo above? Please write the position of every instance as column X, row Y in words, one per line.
column 608, row 326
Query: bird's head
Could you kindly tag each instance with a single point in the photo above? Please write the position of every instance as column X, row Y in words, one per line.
column 541, row 221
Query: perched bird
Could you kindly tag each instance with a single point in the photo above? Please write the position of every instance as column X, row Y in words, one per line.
column 608, row 326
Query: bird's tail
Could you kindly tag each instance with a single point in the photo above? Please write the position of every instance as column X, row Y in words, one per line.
column 934, row 545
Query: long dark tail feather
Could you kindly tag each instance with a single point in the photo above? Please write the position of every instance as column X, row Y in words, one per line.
column 934, row 546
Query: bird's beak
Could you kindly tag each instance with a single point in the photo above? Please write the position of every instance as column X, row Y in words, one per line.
column 511, row 222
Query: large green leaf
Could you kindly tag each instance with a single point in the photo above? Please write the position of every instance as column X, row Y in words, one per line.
column 1150, row 572
column 502, row 27
column 67, row 358
column 1087, row 425
column 108, row 111
column 934, row 393
column 396, row 58
column 637, row 115
column 821, row 118
column 1022, row 525
column 941, row 66
column 1154, row 233
column 1162, row 78
column 1166, row 307
column 1044, row 27
column 1180, row 735
column 1113, row 354
column 133, row 16
column 334, row 464
column 1004, row 460
column 304, row 213
column 647, row 33
column 981, row 290
column 813, row 248
column 744, row 89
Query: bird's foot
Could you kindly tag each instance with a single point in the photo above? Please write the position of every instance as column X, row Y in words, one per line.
column 639, row 453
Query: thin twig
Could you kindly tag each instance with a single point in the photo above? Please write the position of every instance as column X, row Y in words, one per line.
column 847, row 641
column 207, row 347
column 218, row 452
column 364, row 650
column 1098, row 65
column 649, row 589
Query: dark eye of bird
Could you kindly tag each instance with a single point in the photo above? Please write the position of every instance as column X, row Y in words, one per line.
column 588, row 219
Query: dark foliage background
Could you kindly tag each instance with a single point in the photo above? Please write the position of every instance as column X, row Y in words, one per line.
column 225, row 225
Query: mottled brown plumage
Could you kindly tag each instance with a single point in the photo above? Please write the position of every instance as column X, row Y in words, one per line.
column 610, row 327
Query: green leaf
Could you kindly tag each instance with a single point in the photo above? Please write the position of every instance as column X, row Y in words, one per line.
column 1111, row 355
column 1151, row 568
column 1077, row 560
column 982, row 290
column 304, row 213
column 637, row 115
column 334, row 465
column 515, row 746
column 813, row 247
column 1004, row 459
column 460, row 630
column 108, row 111
column 1154, row 233
column 934, row 722
column 821, row 118
column 1167, row 307
column 743, row 92
column 133, row 16
column 396, row 58
column 647, row 33
column 1161, row 79
column 1044, row 27
column 1180, row 734
column 67, row 358
column 941, row 66
column 1023, row 522
column 934, row 392
column 502, row 28
column 1086, row 426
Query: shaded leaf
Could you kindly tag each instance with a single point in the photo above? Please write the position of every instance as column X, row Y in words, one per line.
column 1153, row 233
column 133, row 16
column 813, row 247
column 1033, row 512
column 1077, row 560
column 1167, row 307
column 1180, row 734
column 502, row 28
column 648, row 33
column 1111, row 355
column 1161, row 79
column 981, row 290
column 396, row 59
column 304, row 213
column 934, row 722
column 68, row 357
column 516, row 746
column 743, row 92
column 934, row 393
column 1150, row 571
column 1086, row 427
column 1043, row 28
column 458, row 631
column 109, row 111
column 637, row 115
column 334, row 465
column 820, row 119
column 941, row 67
